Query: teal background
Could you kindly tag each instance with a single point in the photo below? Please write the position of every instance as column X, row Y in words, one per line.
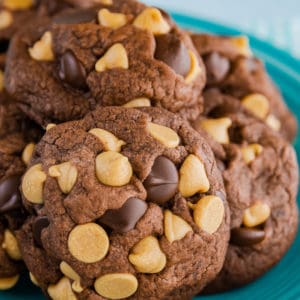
column 282, row 282
column 277, row 22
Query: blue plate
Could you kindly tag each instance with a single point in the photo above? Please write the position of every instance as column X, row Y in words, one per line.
column 283, row 281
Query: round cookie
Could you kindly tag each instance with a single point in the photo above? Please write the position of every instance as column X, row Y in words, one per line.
column 233, row 69
column 16, row 134
column 60, row 69
column 261, row 178
column 128, row 203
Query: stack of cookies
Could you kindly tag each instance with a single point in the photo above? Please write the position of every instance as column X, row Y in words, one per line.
column 137, row 160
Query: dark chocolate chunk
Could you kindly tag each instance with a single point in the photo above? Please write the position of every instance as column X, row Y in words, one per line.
column 75, row 16
column 172, row 51
column 72, row 71
column 39, row 224
column 162, row 182
column 247, row 236
column 10, row 198
column 217, row 67
column 125, row 218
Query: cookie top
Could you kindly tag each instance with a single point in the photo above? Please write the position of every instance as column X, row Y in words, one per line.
column 233, row 69
column 122, row 53
column 261, row 178
column 136, row 187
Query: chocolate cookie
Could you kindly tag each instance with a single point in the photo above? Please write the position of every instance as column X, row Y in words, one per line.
column 261, row 178
column 16, row 137
column 120, row 54
column 233, row 69
column 127, row 203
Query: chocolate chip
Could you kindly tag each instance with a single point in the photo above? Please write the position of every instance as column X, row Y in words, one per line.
column 172, row 51
column 217, row 67
column 4, row 45
column 10, row 198
column 72, row 71
column 125, row 218
column 247, row 236
column 39, row 224
column 75, row 16
column 162, row 182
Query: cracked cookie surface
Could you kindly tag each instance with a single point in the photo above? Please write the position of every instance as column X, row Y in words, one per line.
column 114, row 54
column 232, row 68
column 261, row 179
column 128, row 203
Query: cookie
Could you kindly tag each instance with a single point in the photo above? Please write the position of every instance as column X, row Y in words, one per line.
column 17, row 135
column 122, row 53
column 233, row 69
column 127, row 203
column 261, row 178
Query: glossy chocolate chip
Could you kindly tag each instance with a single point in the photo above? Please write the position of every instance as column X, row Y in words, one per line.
column 217, row 67
column 125, row 218
column 10, row 198
column 75, row 16
column 247, row 236
column 162, row 182
column 72, row 71
column 37, row 227
column 172, row 51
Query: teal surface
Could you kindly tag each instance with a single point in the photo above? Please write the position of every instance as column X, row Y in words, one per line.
column 282, row 282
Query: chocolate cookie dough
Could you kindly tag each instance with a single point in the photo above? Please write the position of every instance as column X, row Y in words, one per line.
column 233, row 69
column 127, row 203
column 121, row 53
column 16, row 137
column 261, row 179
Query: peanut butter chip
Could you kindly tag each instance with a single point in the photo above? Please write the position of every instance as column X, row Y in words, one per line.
column 273, row 122
column 256, row 215
column 88, row 243
column 193, row 178
column 61, row 290
column 110, row 142
column 195, row 68
column 8, row 283
column 66, row 175
column 33, row 183
column 42, row 49
column 175, row 227
column 209, row 213
column 151, row 19
column 1, row 73
column 70, row 273
column 116, row 286
column 6, row 19
column 139, row 102
column 165, row 135
column 147, row 257
column 33, row 279
column 18, row 4
column 258, row 104
column 218, row 129
column 27, row 153
column 50, row 126
column 10, row 245
column 242, row 44
column 113, row 169
column 104, row 2
column 111, row 20
column 250, row 152
column 115, row 57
